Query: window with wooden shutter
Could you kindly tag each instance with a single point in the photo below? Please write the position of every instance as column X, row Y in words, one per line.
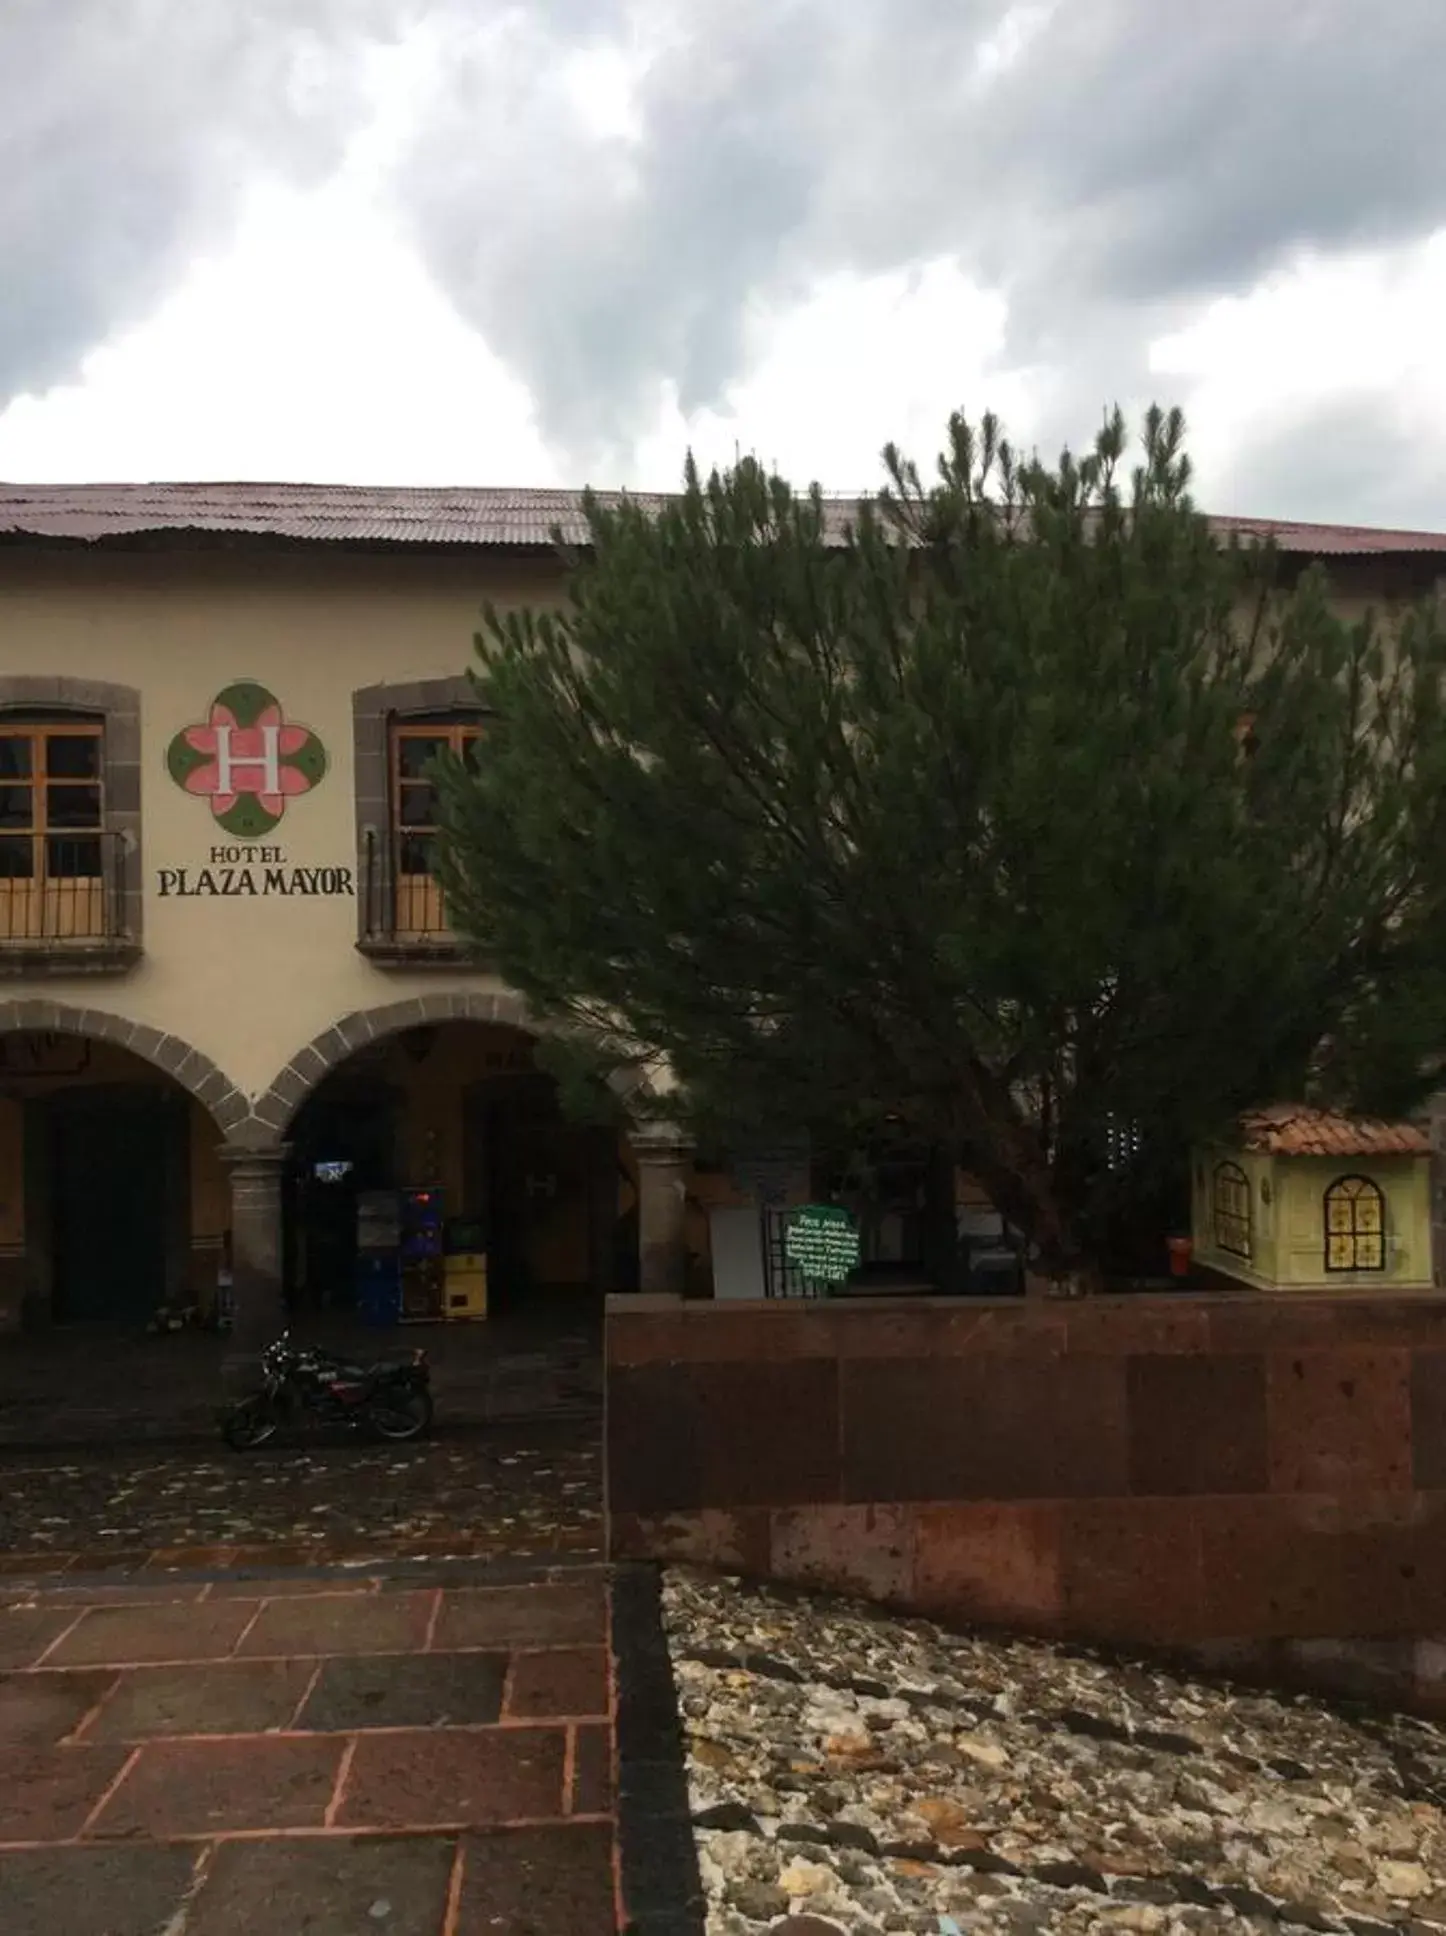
column 52, row 841
column 418, row 908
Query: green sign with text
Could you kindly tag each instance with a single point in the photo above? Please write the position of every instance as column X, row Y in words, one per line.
column 821, row 1242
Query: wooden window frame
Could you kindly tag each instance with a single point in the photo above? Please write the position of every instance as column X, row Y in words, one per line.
column 38, row 732
column 417, row 911
column 378, row 712
column 1239, row 1222
column 113, row 713
column 1363, row 1189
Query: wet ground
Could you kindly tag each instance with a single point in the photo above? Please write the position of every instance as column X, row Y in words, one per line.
column 328, row 1685
column 524, row 1491
column 90, row 1385
column 331, row 1754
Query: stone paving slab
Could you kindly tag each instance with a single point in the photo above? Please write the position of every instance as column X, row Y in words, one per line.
column 427, row 1757
column 53, row 1794
column 558, row 1681
column 171, row 1789
column 592, row 1771
column 331, row 1886
column 41, row 1710
column 27, row 1632
column 561, row 1615
column 219, row 1697
column 94, row 1891
column 442, row 1779
column 536, row 1882
column 334, row 1886
column 425, row 1691
column 106, row 1635
column 329, row 1624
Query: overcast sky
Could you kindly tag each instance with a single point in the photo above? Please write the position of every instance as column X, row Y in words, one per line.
column 460, row 241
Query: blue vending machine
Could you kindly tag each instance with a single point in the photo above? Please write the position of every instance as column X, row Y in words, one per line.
column 423, row 1251
column 379, row 1256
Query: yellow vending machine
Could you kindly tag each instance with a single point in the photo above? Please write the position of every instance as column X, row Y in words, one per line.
column 465, row 1271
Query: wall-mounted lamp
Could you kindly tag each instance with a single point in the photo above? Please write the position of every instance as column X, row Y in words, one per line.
column 417, row 1043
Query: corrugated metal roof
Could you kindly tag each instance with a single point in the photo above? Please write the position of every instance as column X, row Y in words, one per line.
column 309, row 512
column 318, row 513
column 1330, row 540
column 462, row 515
column 1291, row 1129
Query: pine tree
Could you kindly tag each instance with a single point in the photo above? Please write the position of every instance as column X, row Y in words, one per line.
column 1027, row 811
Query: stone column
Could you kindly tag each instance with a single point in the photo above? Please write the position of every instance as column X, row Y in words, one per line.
column 259, row 1301
column 665, row 1160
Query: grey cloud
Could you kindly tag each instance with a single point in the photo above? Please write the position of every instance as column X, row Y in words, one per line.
column 1356, row 451
column 128, row 133
column 597, row 268
column 1136, row 154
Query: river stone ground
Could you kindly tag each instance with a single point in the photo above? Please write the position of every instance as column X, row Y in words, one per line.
column 893, row 1778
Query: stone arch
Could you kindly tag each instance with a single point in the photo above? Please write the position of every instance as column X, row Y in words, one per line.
column 277, row 1105
column 119, row 708
column 195, row 1072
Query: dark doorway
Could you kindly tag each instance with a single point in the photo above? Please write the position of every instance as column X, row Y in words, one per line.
column 539, row 1185
column 343, row 1143
column 116, row 1155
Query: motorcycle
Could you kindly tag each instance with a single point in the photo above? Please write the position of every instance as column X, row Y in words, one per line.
column 390, row 1400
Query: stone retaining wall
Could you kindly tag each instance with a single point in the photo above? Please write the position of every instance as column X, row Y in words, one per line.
column 1257, row 1483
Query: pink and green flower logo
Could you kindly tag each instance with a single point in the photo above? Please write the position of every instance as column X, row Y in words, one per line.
column 247, row 759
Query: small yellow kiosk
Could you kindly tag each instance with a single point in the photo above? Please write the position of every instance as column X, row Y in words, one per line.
column 464, row 1280
column 1302, row 1200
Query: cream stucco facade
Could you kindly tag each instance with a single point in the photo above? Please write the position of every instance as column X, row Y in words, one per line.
column 243, row 969
column 252, row 983
column 249, row 980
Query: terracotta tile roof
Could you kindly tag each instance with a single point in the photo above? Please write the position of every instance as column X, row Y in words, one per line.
column 463, row 515
column 1290, row 1129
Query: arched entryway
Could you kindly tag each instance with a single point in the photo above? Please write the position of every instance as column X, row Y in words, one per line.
column 113, row 1196
column 445, row 1093
column 341, row 1149
column 645, row 1245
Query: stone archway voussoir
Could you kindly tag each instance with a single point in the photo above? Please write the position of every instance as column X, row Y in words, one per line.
column 275, row 1107
column 171, row 1054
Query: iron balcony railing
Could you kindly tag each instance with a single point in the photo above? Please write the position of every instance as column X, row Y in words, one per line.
column 61, row 888
column 401, row 910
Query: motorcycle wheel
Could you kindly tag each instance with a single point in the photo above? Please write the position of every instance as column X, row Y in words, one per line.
column 249, row 1424
column 400, row 1415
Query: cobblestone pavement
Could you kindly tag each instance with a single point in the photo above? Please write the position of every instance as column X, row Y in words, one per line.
column 84, row 1387
column 212, row 1757
column 523, row 1491
column 876, row 1775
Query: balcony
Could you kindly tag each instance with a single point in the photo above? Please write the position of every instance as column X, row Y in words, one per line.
column 403, row 918
column 65, row 903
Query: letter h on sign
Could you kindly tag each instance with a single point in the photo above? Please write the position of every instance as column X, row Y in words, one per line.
column 268, row 760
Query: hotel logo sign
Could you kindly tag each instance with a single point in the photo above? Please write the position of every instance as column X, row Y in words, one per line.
column 247, row 759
